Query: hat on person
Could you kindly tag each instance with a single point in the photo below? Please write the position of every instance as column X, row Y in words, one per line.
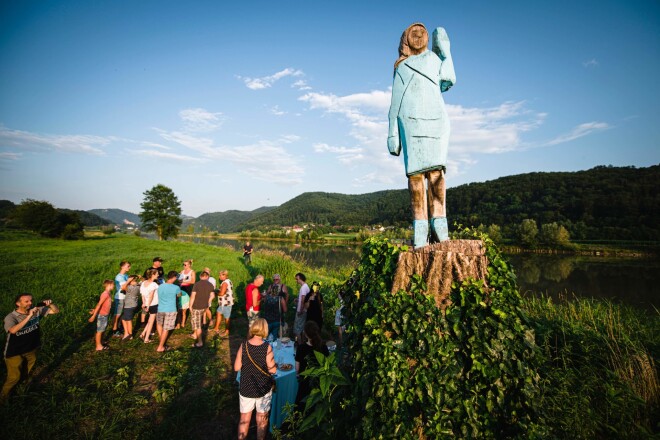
column 158, row 259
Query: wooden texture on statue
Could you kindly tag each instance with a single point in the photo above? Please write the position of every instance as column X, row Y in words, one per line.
column 440, row 264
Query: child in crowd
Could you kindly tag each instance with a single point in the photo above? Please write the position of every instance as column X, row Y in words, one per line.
column 130, row 306
column 101, row 313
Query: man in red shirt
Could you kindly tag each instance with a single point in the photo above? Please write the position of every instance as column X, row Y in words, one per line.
column 253, row 298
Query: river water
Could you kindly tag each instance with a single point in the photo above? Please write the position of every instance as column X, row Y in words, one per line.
column 631, row 281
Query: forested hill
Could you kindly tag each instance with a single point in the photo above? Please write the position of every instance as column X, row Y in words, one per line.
column 223, row 222
column 383, row 207
column 86, row 218
column 117, row 216
column 601, row 203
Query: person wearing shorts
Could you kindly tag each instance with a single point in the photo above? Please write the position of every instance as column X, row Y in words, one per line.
column 121, row 283
column 168, row 293
column 101, row 313
column 199, row 302
column 149, row 292
column 130, row 306
column 225, row 302
column 256, row 363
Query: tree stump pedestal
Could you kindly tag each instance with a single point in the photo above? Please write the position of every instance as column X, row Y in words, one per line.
column 440, row 264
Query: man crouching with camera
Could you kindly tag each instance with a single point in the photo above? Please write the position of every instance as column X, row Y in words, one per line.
column 23, row 337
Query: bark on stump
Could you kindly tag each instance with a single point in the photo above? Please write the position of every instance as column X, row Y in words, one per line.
column 440, row 264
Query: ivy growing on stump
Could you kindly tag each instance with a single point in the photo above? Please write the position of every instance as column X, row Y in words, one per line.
column 418, row 371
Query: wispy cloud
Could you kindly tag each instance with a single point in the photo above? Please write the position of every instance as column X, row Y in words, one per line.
column 345, row 155
column 251, row 159
column 165, row 155
column 276, row 111
column 8, row 156
column 591, row 63
column 25, row 140
column 580, row 131
column 155, row 145
column 301, row 84
column 200, row 120
column 268, row 81
column 492, row 130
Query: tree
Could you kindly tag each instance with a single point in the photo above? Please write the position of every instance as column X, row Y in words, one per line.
column 161, row 212
column 43, row 218
column 528, row 232
column 495, row 233
column 554, row 234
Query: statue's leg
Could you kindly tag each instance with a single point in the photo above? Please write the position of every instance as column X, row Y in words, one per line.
column 419, row 208
column 437, row 206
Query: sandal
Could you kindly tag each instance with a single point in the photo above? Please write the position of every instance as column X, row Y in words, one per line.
column 105, row 347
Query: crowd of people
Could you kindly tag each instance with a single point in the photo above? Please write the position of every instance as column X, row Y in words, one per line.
column 165, row 301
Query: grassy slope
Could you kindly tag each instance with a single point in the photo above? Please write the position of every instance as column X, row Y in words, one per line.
column 76, row 392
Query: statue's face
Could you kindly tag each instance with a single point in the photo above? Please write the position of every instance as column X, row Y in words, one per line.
column 418, row 39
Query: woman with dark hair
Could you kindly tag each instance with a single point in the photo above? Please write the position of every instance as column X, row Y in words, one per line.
column 305, row 355
column 149, row 292
column 314, row 305
column 256, row 363
column 273, row 308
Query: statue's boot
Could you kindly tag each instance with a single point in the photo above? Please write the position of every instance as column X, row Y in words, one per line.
column 421, row 228
column 440, row 229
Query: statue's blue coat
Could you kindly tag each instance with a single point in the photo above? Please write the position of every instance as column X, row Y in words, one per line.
column 418, row 120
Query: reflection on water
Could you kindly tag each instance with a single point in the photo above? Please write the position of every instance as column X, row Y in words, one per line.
column 312, row 254
column 631, row 281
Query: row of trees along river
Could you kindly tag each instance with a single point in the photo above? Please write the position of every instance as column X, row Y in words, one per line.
column 629, row 280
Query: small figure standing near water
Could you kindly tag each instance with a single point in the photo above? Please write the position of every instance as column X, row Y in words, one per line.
column 420, row 126
column 247, row 252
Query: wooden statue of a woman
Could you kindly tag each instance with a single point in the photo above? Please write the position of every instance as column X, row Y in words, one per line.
column 419, row 125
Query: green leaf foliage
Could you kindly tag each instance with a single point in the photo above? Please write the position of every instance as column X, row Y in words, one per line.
column 417, row 371
column 161, row 212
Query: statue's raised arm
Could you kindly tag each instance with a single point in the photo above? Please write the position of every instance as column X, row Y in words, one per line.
column 441, row 48
column 419, row 125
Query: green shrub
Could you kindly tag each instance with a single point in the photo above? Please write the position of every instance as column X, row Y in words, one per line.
column 419, row 372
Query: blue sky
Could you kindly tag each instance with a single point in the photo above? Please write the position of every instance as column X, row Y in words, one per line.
column 241, row 105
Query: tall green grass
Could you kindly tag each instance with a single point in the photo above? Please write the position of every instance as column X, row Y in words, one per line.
column 129, row 391
column 600, row 377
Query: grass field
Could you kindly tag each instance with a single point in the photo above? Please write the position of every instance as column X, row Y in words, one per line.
column 129, row 391
column 599, row 375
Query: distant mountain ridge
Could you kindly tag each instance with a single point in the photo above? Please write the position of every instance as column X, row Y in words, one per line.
column 87, row 218
column 118, row 216
column 224, row 222
column 605, row 202
column 382, row 207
